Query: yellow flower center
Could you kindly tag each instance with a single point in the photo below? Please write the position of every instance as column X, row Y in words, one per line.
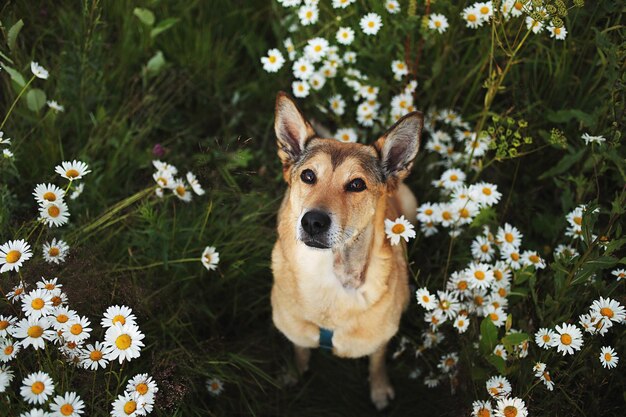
column 446, row 215
column 518, row 5
column 483, row 412
column 398, row 228
column 370, row 24
column 479, row 275
column 608, row 357
column 478, row 300
column 546, row 376
column 515, row 256
column 76, row 329
column 428, row 212
column 142, row 388
column 49, row 286
column 453, row 177
column 309, row 14
column 8, row 350
column 13, row 256
column 462, row 285
column 67, row 409
column 49, row 196
column 557, row 31
column 437, row 23
column 317, row 48
column 449, row 362
column 607, row 312
column 493, row 316
column 425, row 298
column 444, row 305
column 509, row 237
column 37, row 304
column 486, row 191
column 72, row 173
column 484, row 10
column 498, row 275
column 119, row 319
column 37, row 388
column 123, row 342
column 566, row 339
column 534, row 259
column 19, row 291
column 131, row 406
column 56, row 300
column 215, row 386
column 461, row 323
column 180, row 190
column 546, row 338
column 464, row 213
column 510, row 411
column 484, row 248
column 578, row 220
column 4, row 324
column 272, row 59
column 54, row 211
column 471, row 18
column 95, row 355
column 502, row 292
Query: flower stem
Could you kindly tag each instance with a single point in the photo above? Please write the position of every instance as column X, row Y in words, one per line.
column 6, row 117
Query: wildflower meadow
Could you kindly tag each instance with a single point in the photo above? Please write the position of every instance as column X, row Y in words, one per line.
column 140, row 182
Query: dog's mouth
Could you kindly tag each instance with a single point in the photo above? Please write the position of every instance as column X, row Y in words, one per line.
column 312, row 243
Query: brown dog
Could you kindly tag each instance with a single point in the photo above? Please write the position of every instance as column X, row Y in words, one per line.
column 337, row 280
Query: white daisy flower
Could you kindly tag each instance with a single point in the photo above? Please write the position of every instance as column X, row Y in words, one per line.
column 8, row 349
column 465, row 211
column 195, row 185
column 445, row 215
column 67, row 405
column 45, row 193
column 496, row 314
column 485, row 10
column 6, row 376
column 349, row 57
column 619, row 274
column 565, row 251
column 459, row 283
column 92, row 356
column 163, row 178
column 54, row 214
column 482, row 409
column 316, row 49
column 13, row 254
column 392, row 6
column 471, row 15
column 144, row 385
column 399, row 228
column 531, row 258
column 345, row 35
column 448, row 362
column 289, row 3
column 500, row 351
column 210, row 258
column 428, row 229
column 291, row 49
column 482, row 250
column 545, row 378
column 33, row 332
column 346, row 134
column 568, row 340
column 128, row 405
column 498, row 386
column 300, row 89
column 509, row 236
column 180, row 190
column 517, row 9
column 511, row 256
column 37, row 387
column 308, row 15
column 214, row 386
column 426, row 299
column 77, row 330
column 461, row 323
column 78, row 190
column 60, row 316
column 485, row 194
column 17, row 293
column 38, row 71
column 593, row 139
column 533, row 24
column 452, row 178
column 557, row 33
column 511, row 406
column 480, row 275
column 55, row 106
column 608, row 357
column 6, row 325
column 118, row 315
column 165, row 167
column 337, row 104
column 426, row 212
column 3, row 140
column 55, row 251
column 37, row 303
column 438, row 22
column 123, row 342
column 400, row 69
column 273, row 61
column 371, row 23
column 435, row 318
column 609, row 309
column 448, row 304
column 591, row 323
column 74, row 170
column 317, row 81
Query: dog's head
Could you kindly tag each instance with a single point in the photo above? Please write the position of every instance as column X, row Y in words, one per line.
column 335, row 187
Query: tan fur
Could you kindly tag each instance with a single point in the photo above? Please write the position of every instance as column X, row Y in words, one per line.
column 359, row 287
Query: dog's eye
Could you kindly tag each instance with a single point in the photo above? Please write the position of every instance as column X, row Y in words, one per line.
column 308, row 176
column 356, row 185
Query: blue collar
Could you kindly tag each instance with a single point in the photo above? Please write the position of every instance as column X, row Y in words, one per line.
column 326, row 339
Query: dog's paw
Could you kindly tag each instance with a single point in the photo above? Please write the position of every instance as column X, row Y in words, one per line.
column 381, row 394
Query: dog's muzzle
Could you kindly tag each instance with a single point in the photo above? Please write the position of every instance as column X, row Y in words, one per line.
column 315, row 225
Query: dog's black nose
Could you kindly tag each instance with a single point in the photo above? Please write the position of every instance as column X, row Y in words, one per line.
column 315, row 222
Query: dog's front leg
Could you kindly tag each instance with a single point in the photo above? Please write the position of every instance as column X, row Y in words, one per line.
column 381, row 390
column 301, row 355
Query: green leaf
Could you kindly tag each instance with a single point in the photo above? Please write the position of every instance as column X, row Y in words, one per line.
column 514, row 339
column 489, row 335
column 163, row 26
column 35, row 99
column 15, row 75
column 564, row 116
column 155, row 64
column 591, row 267
column 563, row 165
column 144, row 15
column 498, row 363
column 13, row 32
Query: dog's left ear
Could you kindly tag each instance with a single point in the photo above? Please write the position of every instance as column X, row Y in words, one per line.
column 399, row 145
column 292, row 130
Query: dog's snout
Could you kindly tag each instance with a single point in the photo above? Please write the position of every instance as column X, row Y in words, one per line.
column 315, row 222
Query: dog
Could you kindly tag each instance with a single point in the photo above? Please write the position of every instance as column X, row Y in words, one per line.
column 338, row 282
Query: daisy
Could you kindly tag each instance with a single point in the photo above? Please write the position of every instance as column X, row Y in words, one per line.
column 33, row 331
column 37, row 387
column 144, row 385
column 481, row 249
column 399, row 228
column 481, row 409
column 592, row 322
column 485, row 194
column 498, row 386
column 557, row 33
column 534, row 25
column 69, row 405
column 461, row 323
column 118, row 315
column 7, row 154
column 426, row 299
column 349, row 57
column 517, row 9
column 273, row 61
column 210, row 258
column 92, row 356
column 6, row 325
column 36, row 412
column 345, row 35
column 459, row 284
column 77, row 191
column 45, row 193
column 346, row 134
column 38, row 71
column 195, row 185
column 54, row 214
column 215, row 386
column 3, row 140
column 392, row 6
column 609, row 309
column 8, row 349
column 17, row 293
column 77, row 329
column 511, row 406
column 608, row 357
column 342, row 3
column 620, row 274
column 165, row 167
column 448, row 362
column 371, row 23
column 317, row 81
column 448, row 304
column 480, row 275
column 308, row 15
column 497, row 315
column 60, row 316
column 565, row 251
column 500, row 351
column 181, row 191
column 485, row 10
column 399, row 69
column 511, row 256
column 452, row 178
column 465, row 211
column 445, row 215
column 546, row 379
column 509, row 236
column 428, row 229
column 74, row 170
column 290, row 47
column 431, row 381
column 471, row 15
column 300, row 89
column 593, row 139
column 55, row 106
column 568, row 340
column 123, row 342
column 337, row 105
column 13, row 254
column 316, row 49
column 128, row 405
column 164, row 179
column 55, row 251
column 530, row 258
column 478, row 302
column 438, row 22
column 6, row 376
column 37, row 303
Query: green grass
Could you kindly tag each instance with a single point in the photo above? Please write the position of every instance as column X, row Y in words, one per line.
column 211, row 107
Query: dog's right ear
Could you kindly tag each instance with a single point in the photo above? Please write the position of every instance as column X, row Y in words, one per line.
column 292, row 130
